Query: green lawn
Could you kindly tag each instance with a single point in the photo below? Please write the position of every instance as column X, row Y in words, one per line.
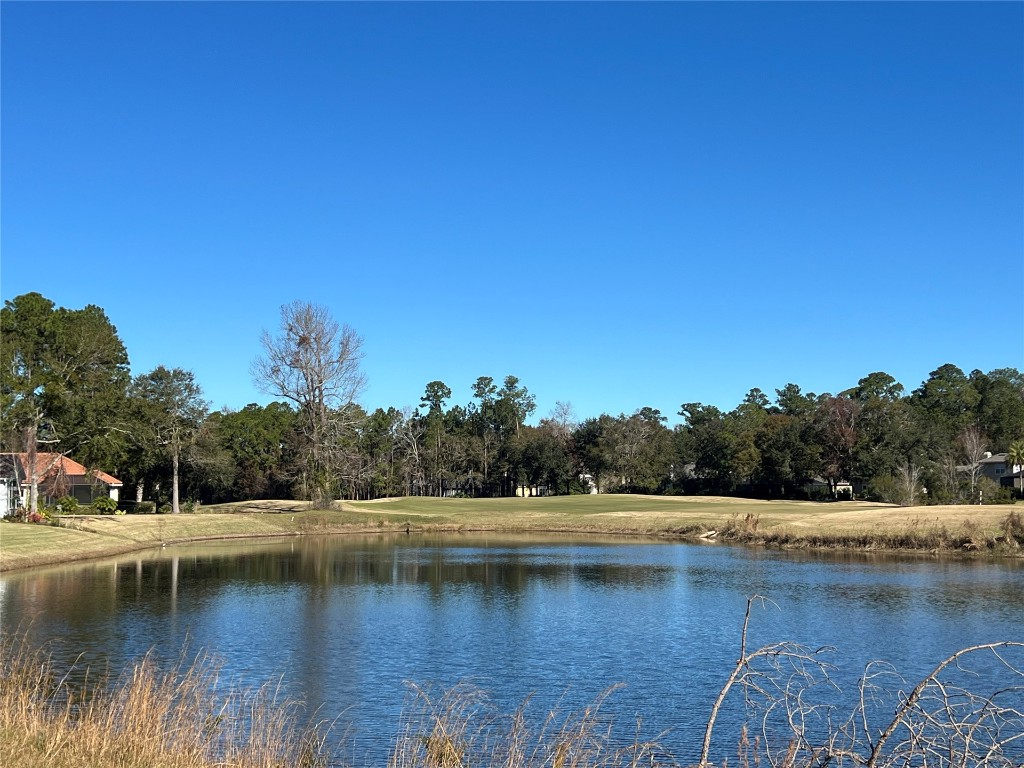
column 615, row 513
column 82, row 537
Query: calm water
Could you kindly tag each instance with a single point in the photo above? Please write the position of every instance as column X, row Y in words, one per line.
column 347, row 622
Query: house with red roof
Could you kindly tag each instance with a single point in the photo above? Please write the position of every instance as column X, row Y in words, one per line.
column 58, row 476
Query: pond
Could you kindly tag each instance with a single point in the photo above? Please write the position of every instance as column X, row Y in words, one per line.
column 348, row 622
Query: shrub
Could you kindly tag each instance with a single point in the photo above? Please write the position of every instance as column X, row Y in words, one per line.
column 883, row 488
column 992, row 493
column 104, row 505
column 165, row 509
column 145, row 508
column 1013, row 527
column 68, row 505
column 747, row 527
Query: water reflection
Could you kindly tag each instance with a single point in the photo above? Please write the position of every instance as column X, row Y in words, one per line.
column 321, row 562
column 347, row 620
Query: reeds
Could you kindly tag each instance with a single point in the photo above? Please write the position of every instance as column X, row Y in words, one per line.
column 181, row 718
column 915, row 536
column 459, row 728
column 149, row 718
column 187, row 717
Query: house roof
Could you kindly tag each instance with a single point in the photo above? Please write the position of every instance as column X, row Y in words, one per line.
column 996, row 458
column 50, row 465
column 819, row 480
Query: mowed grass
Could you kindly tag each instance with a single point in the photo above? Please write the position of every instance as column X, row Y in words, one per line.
column 664, row 514
column 792, row 523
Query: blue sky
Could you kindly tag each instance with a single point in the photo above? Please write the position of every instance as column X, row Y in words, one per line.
column 624, row 205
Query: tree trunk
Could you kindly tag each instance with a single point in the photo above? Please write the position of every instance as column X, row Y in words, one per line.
column 32, row 456
column 31, row 451
column 175, row 509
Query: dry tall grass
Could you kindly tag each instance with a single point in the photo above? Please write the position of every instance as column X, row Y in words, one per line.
column 186, row 718
column 148, row 717
column 459, row 728
column 966, row 535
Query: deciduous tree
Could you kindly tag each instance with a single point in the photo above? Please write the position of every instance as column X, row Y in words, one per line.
column 837, row 422
column 314, row 363
column 973, row 445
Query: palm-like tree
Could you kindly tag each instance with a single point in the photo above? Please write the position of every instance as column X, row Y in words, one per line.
column 1015, row 459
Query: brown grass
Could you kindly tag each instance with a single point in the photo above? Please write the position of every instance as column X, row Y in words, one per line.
column 459, row 728
column 148, row 717
column 1005, row 537
column 187, row 718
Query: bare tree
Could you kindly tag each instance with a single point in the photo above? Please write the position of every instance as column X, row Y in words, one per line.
column 973, row 443
column 563, row 421
column 410, row 433
column 908, row 482
column 949, row 476
column 314, row 363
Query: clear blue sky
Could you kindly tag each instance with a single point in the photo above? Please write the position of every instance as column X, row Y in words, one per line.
column 625, row 205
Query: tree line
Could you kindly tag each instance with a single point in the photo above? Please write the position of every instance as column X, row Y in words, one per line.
column 66, row 388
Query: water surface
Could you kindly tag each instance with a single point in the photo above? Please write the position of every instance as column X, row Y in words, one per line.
column 347, row 622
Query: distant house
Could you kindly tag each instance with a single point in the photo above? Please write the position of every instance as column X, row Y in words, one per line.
column 58, row 476
column 532, row 490
column 10, row 484
column 1014, row 480
column 818, row 487
column 995, row 466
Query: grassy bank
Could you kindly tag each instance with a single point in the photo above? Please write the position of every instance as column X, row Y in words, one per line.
column 859, row 525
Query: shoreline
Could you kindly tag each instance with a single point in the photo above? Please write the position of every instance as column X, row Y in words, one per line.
column 966, row 532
